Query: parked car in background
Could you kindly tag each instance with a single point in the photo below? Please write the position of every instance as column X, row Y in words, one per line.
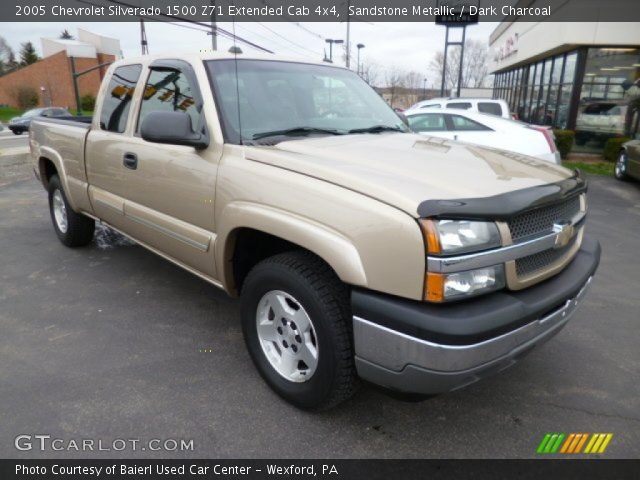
column 21, row 124
column 489, row 106
column 600, row 120
column 628, row 163
column 486, row 130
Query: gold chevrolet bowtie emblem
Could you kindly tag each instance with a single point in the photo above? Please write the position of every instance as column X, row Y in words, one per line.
column 564, row 233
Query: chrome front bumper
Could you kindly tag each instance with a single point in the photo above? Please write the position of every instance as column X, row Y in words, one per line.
column 401, row 362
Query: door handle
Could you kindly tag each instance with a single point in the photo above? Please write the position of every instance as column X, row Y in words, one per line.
column 130, row 160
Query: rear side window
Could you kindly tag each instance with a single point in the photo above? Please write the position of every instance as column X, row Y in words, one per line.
column 117, row 99
column 490, row 108
column 432, row 105
column 466, row 124
column 431, row 122
column 169, row 91
column 459, row 105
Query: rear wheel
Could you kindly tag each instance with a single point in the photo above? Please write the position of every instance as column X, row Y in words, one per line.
column 73, row 229
column 296, row 322
column 620, row 170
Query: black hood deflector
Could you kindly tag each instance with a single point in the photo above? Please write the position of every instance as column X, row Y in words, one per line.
column 505, row 205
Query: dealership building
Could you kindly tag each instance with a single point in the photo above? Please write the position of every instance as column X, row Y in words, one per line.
column 582, row 76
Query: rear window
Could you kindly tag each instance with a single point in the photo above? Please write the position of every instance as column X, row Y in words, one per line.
column 464, row 124
column 117, row 98
column 601, row 109
column 431, row 105
column 459, row 105
column 491, row 108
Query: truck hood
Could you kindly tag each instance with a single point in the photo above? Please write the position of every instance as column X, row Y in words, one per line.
column 404, row 169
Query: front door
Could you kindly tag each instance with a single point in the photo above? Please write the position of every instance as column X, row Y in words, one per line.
column 170, row 189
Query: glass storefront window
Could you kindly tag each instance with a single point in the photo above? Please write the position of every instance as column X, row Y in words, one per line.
column 557, row 69
column 611, row 81
column 569, row 68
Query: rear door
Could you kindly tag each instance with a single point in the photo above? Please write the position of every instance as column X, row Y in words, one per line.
column 633, row 158
column 430, row 123
column 108, row 143
column 170, row 189
column 467, row 130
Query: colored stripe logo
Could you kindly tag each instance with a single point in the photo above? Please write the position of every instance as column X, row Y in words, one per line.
column 573, row 443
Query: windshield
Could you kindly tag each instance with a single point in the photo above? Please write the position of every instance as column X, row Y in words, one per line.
column 33, row 113
column 286, row 98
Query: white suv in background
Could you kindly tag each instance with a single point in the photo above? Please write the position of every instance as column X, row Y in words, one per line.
column 490, row 106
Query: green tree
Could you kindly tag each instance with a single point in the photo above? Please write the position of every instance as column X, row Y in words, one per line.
column 7, row 57
column 65, row 35
column 26, row 97
column 28, row 54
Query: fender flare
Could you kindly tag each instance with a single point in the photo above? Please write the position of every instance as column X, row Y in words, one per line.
column 330, row 245
column 47, row 153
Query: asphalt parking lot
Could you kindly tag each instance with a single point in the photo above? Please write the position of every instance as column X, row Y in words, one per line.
column 111, row 341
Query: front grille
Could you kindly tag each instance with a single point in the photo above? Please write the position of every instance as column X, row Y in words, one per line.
column 540, row 221
column 540, row 261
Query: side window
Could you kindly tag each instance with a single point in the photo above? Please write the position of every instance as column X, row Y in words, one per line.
column 169, row 91
column 467, row 125
column 459, row 105
column 117, row 99
column 432, row 105
column 432, row 122
column 490, row 108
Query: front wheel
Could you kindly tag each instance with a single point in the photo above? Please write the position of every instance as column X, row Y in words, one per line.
column 297, row 326
column 620, row 170
column 73, row 229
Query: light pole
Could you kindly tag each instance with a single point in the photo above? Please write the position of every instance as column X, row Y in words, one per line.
column 360, row 46
column 331, row 41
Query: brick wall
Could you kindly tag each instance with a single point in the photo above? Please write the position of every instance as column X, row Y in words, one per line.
column 54, row 74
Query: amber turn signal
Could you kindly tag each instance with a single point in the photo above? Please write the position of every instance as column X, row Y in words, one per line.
column 434, row 287
column 431, row 237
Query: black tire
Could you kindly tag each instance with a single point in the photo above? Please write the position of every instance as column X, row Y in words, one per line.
column 326, row 300
column 17, row 132
column 622, row 164
column 80, row 228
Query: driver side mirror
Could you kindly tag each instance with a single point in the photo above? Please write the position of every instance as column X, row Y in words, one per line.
column 173, row 128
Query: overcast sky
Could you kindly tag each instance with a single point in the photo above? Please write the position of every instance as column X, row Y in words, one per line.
column 408, row 46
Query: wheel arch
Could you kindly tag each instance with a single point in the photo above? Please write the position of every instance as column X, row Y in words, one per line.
column 251, row 232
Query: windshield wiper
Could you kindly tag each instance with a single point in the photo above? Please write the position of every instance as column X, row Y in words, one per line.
column 377, row 129
column 296, row 131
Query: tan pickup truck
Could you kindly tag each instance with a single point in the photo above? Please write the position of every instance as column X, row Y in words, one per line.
column 357, row 248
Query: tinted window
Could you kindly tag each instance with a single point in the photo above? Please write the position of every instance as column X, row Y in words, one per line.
column 432, row 105
column 600, row 108
column 431, row 122
column 466, row 124
column 459, row 105
column 117, row 99
column 59, row 112
column 490, row 108
column 169, row 91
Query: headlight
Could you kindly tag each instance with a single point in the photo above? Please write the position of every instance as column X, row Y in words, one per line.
column 453, row 237
column 441, row 287
column 456, row 237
